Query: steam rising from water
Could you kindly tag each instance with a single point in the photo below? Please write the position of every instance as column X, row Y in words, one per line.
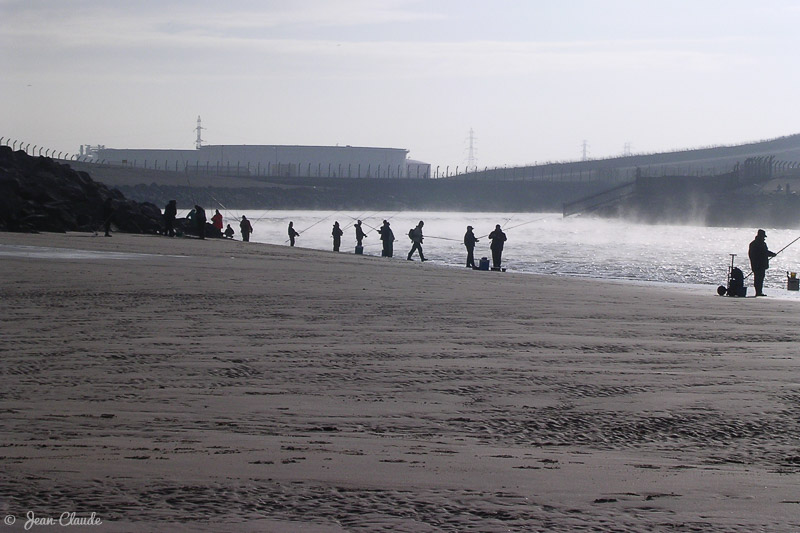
column 547, row 243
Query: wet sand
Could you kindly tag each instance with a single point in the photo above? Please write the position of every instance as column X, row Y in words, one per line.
column 249, row 387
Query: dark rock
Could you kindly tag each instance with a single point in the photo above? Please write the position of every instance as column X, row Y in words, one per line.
column 39, row 194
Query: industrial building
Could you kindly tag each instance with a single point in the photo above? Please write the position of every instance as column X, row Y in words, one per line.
column 270, row 160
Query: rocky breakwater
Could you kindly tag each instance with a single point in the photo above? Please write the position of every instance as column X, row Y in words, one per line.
column 40, row 194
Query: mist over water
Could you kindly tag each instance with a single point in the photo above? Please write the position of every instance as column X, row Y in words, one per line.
column 547, row 243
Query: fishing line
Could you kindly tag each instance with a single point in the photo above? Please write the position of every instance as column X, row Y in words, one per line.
column 386, row 219
column 227, row 211
column 314, row 224
column 262, row 215
column 354, row 219
column 191, row 190
column 442, row 238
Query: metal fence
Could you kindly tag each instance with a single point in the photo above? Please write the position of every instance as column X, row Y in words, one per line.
column 583, row 171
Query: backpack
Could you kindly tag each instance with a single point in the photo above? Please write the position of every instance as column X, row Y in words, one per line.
column 736, row 282
column 411, row 234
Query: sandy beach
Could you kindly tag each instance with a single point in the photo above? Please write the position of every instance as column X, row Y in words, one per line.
column 187, row 385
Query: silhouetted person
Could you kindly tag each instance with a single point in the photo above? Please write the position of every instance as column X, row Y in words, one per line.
column 216, row 220
column 246, row 228
column 387, row 237
column 469, row 242
column 200, row 221
column 170, row 212
column 359, row 233
column 229, row 232
column 498, row 238
column 759, row 260
column 337, row 236
column 108, row 215
column 292, row 234
column 416, row 237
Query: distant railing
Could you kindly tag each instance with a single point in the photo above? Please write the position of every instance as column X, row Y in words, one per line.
column 43, row 151
column 621, row 169
column 288, row 170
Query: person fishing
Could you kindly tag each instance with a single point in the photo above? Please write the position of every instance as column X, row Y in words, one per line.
column 759, row 260
column 216, row 220
column 387, row 238
column 415, row 235
column 228, row 233
column 246, row 228
column 170, row 212
column 292, row 234
column 469, row 242
column 359, row 233
column 337, row 233
column 200, row 221
column 498, row 240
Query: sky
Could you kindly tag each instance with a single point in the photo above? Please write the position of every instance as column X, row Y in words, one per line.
column 535, row 80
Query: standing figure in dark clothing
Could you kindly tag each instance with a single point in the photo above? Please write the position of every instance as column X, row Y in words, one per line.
column 292, row 234
column 416, row 237
column 469, row 242
column 216, row 220
column 170, row 212
column 359, row 233
column 229, row 232
column 759, row 260
column 498, row 238
column 200, row 221
column 387, row 237
column 337, row 236
column 108, row 216
column 246, row 228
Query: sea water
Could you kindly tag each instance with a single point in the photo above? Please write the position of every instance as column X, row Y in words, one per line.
column 547, row 243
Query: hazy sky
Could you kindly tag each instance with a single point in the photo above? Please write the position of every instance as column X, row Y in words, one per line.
column 532, row 78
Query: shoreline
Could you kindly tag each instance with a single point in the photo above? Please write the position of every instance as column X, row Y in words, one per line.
column 255, row 387
column 781, row 295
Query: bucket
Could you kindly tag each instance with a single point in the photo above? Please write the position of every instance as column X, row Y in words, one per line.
column 483, row 264
column 792, row 281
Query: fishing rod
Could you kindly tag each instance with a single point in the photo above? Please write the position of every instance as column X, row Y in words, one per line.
column 524, row 223
column 788, row 245
column 517, row 226
column 364, row 223
column 387, row 219
column 314, row 224
column 352, row 222
column 227, row 211
column 776, row 254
